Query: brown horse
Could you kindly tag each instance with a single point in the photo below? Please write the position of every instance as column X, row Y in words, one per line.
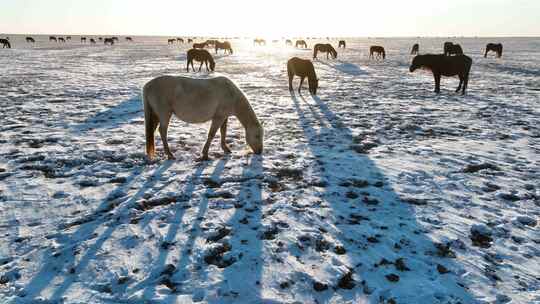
column 376, row 49
column 129, row 39
column 341, row 44
column 60, row 39
column 202, row 56
column 52, row 38
column 288, row 42
column 495, row 47
column 301, row 43
column 30, row 40
column 459, row 65
column 226, row 46
column 198, row 101
column 201, row 45
column 5, row 43
column 452, row 49
column 259, row 41
column 109, row 41
column 302, row 68
column 179, row 40
column 171, row 41
column 324, row 48
column 415, row 49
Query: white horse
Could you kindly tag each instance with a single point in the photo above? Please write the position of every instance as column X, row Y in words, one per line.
column 198, row 101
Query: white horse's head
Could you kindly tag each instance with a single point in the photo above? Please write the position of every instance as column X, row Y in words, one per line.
column 254, row 138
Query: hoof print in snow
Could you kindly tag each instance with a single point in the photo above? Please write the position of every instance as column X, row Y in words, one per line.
column 289, row 173
column 351, row 195
column 526, row 221
column 168, row 270
column 166, row 281
column 122, row 280
column 415, row 201
column 284, row 285
column 481, row 236
column 392, row 277
column 441, row 269
column 444, row 250
column 218, row 235
column 340, row 250
column 215, row 256
column 118, row 180
column 473, row 168
column 370, row 201
column 364, row 147
column 318, row 286
column 269, row 233
column 509, row 197
column 400, row 265
column 88, row 183
column 211, row 183
column 346, row 281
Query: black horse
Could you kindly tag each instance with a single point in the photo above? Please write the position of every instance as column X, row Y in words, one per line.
column 171, row 41
column 379, row 50
column 459, row 65
column 52, row 38
column 302, row 68
column 301, row 43
column 179, row 40
column 30, row 40
column 83, row 39
column 109, row 41
column 415, row 49
column 60, row 39
column 129, row 39
column 495, row 47
column 226, row 46
column 5, row 43
column 92, row 41
column 324, row 48
column 341, row 44
column 202, row 56
column 452, row 49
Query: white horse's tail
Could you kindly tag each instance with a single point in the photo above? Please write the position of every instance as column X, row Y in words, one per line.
column 150, row 123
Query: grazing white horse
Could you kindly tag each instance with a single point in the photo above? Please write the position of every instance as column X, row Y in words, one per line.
column 198, row 101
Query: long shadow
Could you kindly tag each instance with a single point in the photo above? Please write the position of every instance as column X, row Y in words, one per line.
column 376, row 225
column 88, row 225
column 113, row 117
column 344, row 67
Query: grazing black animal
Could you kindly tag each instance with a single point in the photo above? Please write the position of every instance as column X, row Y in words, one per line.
column 288, row 42
column 324, row 48
column 179, row 40
column 129, row 39
column 226, row 46
column 92, row 41
column 52, row 38
column 5, row 43
column 495, row 47
column 30, row 40
column 259, row 41
column 60, row 39
column 171, row 41
column 377, row 49
column 459, row 65
column 302, row 68
column 301, row 43
column 109, row 41
column 341, row 44
column 415, row 49
column 83, row 39
column 202, row 56
column 452, row 49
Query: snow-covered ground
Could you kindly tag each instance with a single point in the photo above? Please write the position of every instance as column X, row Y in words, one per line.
column 366, row 193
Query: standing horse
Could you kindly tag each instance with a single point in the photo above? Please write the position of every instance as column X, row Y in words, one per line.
column 376, row 49
column 92, row 41
column 52, row 38
column 324, row 48
column 301, row 43
column 259, row 41
column 459, row 65
column 202, row 56
column 452, row 49
column 223, row 46
column 179, row 40
column 68, row 38
column 83, row 39
column 341, row 44
column 30, row 40
column 190, row 40
column 288, row 42
column 415, row 49
column 60, row 39
column 495, row 47
column 115, row 39
column 171, row 41
column 198, row 101
column 5, row 43
column 109, row 41
column 201, row 45
column 302, row 68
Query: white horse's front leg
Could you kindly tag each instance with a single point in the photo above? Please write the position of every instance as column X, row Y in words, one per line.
column 217, row 122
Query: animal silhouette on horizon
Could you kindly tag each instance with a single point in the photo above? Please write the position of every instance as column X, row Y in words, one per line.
column 341, row 44
column 452, row 49
column 379, row 50
column 415, row 49
column 301, row 43
column 494, row 47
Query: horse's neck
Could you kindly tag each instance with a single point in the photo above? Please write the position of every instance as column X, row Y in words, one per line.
column 245, row 113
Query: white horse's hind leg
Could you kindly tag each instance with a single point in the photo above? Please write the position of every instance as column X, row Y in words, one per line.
column 163, row 127
column 217, row 122
column 223, row 130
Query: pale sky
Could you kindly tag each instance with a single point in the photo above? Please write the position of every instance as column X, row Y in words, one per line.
column 273, row 18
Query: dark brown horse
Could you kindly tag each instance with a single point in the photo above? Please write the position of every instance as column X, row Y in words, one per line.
column 171, row 41
column 442, row 65
column 301, row 43
column 226, row 45
column 92, row 41
column 30, row 40
column 83, row 39
column 179, row 40
column 129, row 39
column 376, row 49
column 201, row 45
column 415, row 49
column 341, row 44
column 302, row 68
column 60, row 39
column 495, row 47
column 452, row 49
column 324, row 48
column 109, row 41
column 68, row 38
column 259, row 41
column 115, row 39
column 202, row 56
column 52, row 38
column 5, row 43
